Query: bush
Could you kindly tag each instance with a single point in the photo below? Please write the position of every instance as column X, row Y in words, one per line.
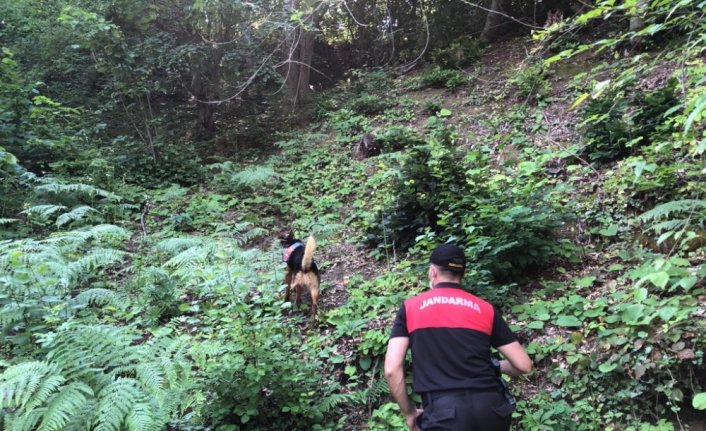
column 430, row 176
column 438, row 78
column 370, row 104
column 507, row 224
column 460, row 53
column 531, row 82
column 397, row 138
column 623, row 119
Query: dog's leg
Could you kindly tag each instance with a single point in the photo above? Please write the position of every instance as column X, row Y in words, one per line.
column 298, row 291
column 288, row 282
column 314, row 291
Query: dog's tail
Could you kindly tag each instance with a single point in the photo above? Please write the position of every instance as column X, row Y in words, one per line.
column 308, row 254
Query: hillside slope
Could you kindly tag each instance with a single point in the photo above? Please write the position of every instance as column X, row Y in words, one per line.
column 575, row 184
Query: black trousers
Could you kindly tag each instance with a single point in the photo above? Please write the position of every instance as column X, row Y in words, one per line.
column 462, row 410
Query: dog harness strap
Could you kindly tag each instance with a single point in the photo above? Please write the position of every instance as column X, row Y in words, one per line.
column 289, row 250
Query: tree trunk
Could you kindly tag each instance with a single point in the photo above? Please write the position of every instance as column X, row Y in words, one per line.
column 493, row 22
column 301, row 51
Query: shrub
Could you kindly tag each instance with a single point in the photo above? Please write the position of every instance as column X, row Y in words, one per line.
column 397, row 138
column 430, row 176
column 531, row 82
column 370, row 104
column 460, row 53
column 438, row 78
column 623, row 119
column 507, row 224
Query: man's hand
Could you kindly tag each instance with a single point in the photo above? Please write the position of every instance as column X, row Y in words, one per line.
column 411, row 420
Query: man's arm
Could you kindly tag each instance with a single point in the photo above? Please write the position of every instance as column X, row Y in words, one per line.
column 394, row 372
column 517, row 362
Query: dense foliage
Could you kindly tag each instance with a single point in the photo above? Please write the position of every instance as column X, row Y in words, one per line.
column 149, row 164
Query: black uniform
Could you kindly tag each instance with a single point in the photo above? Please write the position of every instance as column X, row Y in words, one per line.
column 451, row 332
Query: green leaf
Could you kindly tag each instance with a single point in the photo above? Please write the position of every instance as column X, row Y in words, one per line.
column 666, row 313
column 537, row 324
column 580, row 100
column 699, row 106
column 445, row 113
column 632, row 313
column 566, row 320
column 699, row 401
column 640, row 294
column 687, row 282
column 611, row 230
column 585, row 281
column 607, row 367
column 659, row 279
column 365, row 363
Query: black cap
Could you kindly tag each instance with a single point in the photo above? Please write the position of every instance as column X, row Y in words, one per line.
column 449, row 257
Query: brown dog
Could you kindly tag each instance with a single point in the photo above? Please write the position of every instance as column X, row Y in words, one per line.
column 302, row 271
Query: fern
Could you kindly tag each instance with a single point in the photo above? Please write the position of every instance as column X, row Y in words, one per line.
column 692, row 211
column 43, row 210
column 253, row 176
column 23, row 384
column 172, row 245
column 95, row 379
column 66, row 405
column 76, row 214
column 327, row 403
column 666, row 209
column 191, row 256
column 116, row 401
column 246, row 233
column 95, row 259
column 6, row 221
column 51, row 186
column 99, row 297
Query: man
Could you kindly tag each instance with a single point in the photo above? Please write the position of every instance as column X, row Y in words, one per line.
column 450, row 332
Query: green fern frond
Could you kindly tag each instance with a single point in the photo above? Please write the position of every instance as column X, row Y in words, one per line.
column 127, row 207
column 116, row 402
column 99, row 297
column 253, row 176
column 23, row 422
column 12, row 313
column 48, row 386
column 668, row 225
column 142, row 418
column 329, row 402
column 96, row 258
column 150, row 375
column 248, row 236
column 377, row 390
column 76, row 214
column 326, row 230
column 6, row 221
column 666, row 209
column 172, row 245
column 84, row 417
column 64, row 406
column 51, row 186
column 78, row 349
column 105, row 234
column 43, row 210
column 191, row 255
column 23, row 383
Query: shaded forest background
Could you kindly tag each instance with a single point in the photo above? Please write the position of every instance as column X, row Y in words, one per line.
column 152, row 153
